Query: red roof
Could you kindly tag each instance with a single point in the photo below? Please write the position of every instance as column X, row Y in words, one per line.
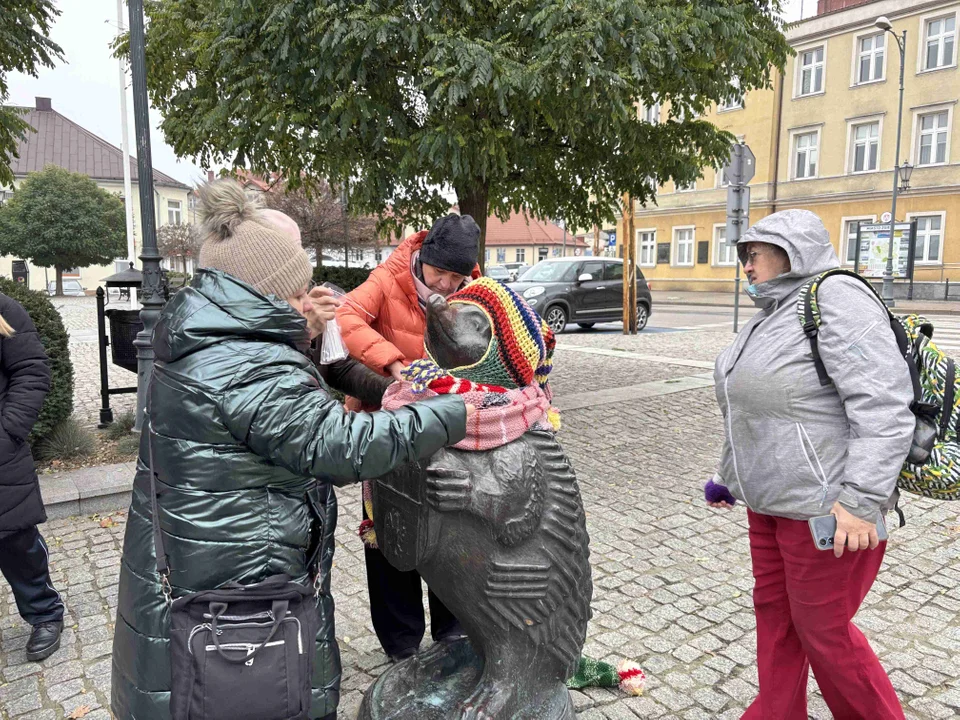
column 522, row 229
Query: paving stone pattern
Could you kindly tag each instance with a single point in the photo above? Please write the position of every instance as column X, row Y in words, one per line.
column 672, row 578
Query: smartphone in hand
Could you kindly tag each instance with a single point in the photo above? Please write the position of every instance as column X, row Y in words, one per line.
column 824, row 528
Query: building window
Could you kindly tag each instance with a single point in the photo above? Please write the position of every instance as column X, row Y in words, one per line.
column 811, row 71
column 725, row 253
column 870, row 58
column 683, row 243
column 929, row 238
column 556, row 252
column 486, row 255
column 686, row 187
column 806, row 152
column 501, row 255
column 723, row 180
column 647, row 243
column 865, row 147
column 939, row 42
column 849, row 239
column 932, row 143
column 733, row 101
column 174, row 213
column 357, row 254
column 651, row 114
column 521, row 255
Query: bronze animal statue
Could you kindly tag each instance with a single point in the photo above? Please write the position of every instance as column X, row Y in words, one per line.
column 500, row 537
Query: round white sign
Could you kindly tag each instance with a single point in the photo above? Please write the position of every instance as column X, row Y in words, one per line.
column 885, row 217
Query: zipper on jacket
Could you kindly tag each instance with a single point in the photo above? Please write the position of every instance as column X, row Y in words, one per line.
column 821, row 476
column 733, row 448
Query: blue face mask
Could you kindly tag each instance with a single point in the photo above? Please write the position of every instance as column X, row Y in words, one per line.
column 752, row 290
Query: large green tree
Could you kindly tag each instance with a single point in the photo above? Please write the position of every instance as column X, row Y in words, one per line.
column 61, row 219
column 512, row 103
column 25, row 47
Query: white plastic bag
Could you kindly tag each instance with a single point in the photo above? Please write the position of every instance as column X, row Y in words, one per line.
column 332, row 348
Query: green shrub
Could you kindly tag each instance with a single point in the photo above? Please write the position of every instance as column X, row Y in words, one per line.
column 129, row 445
column 58, row 404
column 122, row 426
column 345, row 278
column 66, row 441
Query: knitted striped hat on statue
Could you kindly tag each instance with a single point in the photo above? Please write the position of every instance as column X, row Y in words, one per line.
column 521, row 344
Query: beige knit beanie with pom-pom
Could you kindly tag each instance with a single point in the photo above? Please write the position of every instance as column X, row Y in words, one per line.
column 243, row 241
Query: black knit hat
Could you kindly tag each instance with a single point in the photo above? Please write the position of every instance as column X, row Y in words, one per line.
column 452, row 244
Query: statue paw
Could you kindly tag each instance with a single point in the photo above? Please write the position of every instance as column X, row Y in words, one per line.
column 448, row 490
column 486, row 702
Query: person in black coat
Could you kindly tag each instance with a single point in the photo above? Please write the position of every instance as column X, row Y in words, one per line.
column 24, row 382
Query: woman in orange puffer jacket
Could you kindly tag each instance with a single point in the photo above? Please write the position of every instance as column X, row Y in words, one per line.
column 382, row 326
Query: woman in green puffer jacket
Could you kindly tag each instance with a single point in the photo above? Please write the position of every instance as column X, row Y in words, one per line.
column 248, row 445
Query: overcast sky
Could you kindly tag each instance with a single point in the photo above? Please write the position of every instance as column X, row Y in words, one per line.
column 86, row 88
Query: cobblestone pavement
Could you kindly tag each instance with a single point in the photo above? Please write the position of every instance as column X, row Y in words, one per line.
column 671, row 577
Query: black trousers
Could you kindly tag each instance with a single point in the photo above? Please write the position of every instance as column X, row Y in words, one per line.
column 24, row 562
column 396, row 606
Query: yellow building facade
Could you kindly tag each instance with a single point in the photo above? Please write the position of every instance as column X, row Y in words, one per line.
column 825, row 139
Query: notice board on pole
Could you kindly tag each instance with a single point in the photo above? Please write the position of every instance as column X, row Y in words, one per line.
column 873, row 247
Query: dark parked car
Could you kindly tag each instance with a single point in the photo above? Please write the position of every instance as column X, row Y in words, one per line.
column 581, row 290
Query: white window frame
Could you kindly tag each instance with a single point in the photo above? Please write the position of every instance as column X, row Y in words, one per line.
column 852, row 126
column 652, row 231
column 920, row 112
column 501, row 255
column 692, row 187
column 855, row 80
column 922, row 45
column 733, row 101
column 720, row 184
column 174, row 208
column 794, row 135
column 798, row 75
column 844, row 239
column 674, row 261
column 717, row 261
column 521, row 255
column 647, row 112
column 942, row 214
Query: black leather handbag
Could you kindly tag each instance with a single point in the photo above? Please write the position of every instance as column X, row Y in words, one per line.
column 240, row 652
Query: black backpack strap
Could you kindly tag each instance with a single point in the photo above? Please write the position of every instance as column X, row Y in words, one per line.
column 949, row 396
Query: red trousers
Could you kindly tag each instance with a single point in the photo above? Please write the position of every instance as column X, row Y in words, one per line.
column 804, row 601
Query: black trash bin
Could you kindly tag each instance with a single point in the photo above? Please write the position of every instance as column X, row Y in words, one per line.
column 124, row 326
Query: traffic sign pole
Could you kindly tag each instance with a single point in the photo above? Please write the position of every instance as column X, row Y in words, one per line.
column 739, row 171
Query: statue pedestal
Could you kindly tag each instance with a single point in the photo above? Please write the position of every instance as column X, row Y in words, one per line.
column 434, row 686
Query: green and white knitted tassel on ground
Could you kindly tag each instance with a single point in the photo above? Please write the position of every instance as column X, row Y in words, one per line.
column 628, row 676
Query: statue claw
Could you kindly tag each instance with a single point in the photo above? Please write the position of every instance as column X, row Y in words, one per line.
column 448, row 490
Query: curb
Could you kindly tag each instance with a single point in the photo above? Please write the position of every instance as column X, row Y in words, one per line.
column 923, row 310
column 87, row 491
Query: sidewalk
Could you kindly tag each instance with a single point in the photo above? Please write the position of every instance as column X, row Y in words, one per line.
column 725, row 299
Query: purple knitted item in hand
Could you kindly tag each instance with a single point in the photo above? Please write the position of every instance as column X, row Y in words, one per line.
column 715, row 493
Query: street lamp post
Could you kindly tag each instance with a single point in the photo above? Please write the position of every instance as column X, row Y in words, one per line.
column 151, row 289
column 887, row 291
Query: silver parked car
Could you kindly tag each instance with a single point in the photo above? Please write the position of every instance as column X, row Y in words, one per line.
column 72, row 288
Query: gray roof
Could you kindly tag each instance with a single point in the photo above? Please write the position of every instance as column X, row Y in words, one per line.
column 60, row 141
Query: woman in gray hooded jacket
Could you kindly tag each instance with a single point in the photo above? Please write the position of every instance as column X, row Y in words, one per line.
column 796, row 449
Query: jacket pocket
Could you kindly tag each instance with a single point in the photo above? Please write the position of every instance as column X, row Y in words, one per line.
column 813, row 461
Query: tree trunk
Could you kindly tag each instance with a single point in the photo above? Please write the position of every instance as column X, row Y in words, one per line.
column 472, row 200
column 59, row 291
column 318, row 249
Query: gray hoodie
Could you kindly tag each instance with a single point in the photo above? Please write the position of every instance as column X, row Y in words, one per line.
column 794, row 447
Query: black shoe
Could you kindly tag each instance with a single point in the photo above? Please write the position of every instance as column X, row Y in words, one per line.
column 44, row 640
column 403, row 655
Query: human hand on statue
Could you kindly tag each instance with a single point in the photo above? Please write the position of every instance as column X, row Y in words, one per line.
column 394, row 369
column 320, row 309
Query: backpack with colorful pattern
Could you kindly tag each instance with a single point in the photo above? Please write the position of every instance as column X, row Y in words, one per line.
column 934, row 377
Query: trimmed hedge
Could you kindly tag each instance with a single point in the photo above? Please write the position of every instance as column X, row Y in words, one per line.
column 345, row 278
column 58, row 404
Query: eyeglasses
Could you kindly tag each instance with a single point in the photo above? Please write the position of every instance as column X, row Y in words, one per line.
column 750, row 258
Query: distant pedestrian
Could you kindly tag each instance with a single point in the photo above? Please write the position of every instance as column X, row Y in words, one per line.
column 383, row 327
column 24, row 559
column 796, row 449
